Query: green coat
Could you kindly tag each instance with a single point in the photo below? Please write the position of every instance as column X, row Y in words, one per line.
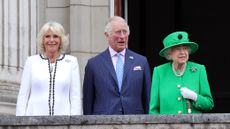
column 165, row 91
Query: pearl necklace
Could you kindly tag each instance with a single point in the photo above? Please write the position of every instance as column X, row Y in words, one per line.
column 179, row 73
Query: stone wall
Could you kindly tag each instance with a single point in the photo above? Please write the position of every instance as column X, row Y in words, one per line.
column 17, row 41
column 202, row 121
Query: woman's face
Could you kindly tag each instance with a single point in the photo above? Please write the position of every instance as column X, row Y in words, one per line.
column 179, row 54
column 51, row 42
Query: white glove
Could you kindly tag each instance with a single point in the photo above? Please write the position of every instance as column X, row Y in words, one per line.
column 188, row 94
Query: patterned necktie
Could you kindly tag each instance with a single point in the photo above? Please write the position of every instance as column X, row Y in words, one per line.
column 119, row 70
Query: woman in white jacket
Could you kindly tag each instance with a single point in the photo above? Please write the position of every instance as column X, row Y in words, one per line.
column 50, row 82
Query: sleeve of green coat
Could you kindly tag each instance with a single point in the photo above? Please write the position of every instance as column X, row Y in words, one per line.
column 204, row 97
column 154, row 96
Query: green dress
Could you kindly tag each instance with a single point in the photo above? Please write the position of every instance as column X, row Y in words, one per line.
column 165, row 91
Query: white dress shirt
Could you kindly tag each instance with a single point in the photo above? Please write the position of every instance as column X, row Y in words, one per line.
column 114, row 56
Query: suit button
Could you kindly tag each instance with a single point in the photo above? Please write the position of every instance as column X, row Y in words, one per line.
column 178, row 86
column 179, row 112
column 120, row 109
column 179, row 98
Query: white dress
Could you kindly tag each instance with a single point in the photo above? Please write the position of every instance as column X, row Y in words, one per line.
column 39, row 96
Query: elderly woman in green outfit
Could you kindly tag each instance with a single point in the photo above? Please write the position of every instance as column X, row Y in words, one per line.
column 179, row 86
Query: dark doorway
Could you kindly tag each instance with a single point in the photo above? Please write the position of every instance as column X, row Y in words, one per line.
column 207, row 24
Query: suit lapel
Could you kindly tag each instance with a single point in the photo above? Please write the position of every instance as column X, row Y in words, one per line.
column 129, row 59
column 109, row 65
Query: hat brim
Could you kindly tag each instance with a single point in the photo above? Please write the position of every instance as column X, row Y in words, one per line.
column 192, row 45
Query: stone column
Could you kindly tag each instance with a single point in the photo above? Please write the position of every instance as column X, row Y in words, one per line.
column 87, row 20
column 17, row 42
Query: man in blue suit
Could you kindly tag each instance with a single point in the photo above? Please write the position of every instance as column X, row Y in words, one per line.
column 102, row 92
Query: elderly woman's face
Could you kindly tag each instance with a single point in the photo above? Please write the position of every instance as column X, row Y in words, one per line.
column 179, row 54
column 51, row 42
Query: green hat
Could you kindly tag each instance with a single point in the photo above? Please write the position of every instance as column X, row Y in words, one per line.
column 177, row 38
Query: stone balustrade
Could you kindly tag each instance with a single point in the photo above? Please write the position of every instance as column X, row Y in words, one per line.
column 198, row 121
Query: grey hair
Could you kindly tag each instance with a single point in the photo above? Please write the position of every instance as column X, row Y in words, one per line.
column 56, row 28
column 108, row 26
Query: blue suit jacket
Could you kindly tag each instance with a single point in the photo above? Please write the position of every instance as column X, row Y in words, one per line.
column 100, row 86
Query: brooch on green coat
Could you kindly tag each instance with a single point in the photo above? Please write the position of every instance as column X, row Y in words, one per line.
column 193, row 69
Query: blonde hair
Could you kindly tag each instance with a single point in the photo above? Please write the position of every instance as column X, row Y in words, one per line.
column 108, row 26
column 56, row 28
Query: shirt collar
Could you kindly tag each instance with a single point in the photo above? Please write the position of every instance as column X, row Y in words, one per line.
column 113, row 52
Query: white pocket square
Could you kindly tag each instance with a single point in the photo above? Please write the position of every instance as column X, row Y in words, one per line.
column 137, row 68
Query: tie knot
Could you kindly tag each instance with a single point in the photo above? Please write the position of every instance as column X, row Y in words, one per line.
column 119, row 54
column 119, row 57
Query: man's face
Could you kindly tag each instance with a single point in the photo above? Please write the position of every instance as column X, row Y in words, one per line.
column 118, row 39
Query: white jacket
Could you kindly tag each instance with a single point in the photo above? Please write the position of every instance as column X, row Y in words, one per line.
column 35, row 96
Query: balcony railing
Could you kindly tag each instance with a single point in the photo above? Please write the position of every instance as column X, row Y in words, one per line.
column 201, row 121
